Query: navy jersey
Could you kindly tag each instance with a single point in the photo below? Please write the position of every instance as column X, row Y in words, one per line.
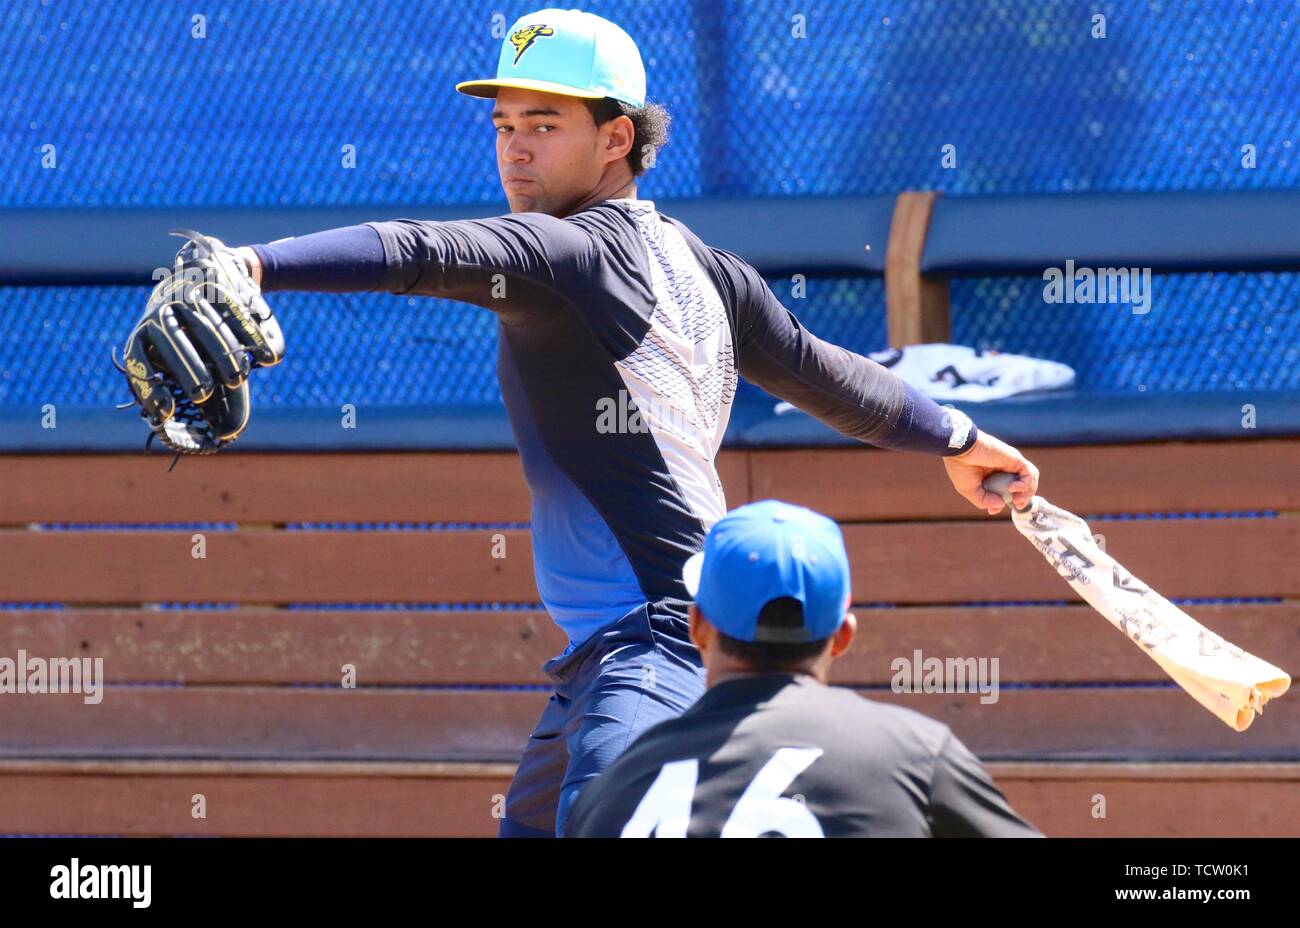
column 782, row 754
column 621, row 337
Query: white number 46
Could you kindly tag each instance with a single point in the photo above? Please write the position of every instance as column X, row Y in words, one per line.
column 665, row 810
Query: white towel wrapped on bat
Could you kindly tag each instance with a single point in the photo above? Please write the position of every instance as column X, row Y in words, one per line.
column 1228, row 681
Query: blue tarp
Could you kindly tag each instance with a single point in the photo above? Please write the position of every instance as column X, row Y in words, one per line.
column 1058, row 418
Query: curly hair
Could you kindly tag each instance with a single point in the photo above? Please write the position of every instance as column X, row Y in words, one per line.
column 650, row 122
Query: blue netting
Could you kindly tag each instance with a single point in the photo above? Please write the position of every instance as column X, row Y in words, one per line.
column 256, row 113
column 141, row 113
column 1204, row 332
column 360, row 348
column 1030, row 100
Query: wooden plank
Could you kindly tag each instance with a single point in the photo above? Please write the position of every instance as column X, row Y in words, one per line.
column 1035, row 644
column 415, row 487
column 247, row 804
column 1103, row 723
column 385, row 769
column 866, row 484
column 323, row 799
column 1104, row 801
column 1058, row 723
column 1048, row 644
column 945, row 562
column 917, row 306
column 266, row 567
column 935, row 562
column 733, row 471
column 273, row 722
column 248, row 646
column 379, row 487
column 1225, row 771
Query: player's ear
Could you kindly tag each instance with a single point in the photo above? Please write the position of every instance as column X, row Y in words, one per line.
column 844, row 636
column 619, row 135
column 699, row 628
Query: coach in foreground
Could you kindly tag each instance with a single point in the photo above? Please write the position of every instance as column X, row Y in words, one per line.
column 770, row 749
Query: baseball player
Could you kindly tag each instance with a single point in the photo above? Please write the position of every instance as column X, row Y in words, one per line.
column 770, row 749
column 621, row 337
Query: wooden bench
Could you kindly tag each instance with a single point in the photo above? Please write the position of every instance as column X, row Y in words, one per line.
column 244, row 705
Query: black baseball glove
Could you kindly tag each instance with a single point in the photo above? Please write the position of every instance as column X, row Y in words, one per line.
column 188, row 358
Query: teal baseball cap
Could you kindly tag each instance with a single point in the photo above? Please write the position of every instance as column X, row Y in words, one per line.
column 568, row 52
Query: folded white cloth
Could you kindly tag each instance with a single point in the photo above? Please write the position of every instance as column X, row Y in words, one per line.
column 954, row 372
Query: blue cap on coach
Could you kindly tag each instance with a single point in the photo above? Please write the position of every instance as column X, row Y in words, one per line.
column 569, row 52
column 765, row 551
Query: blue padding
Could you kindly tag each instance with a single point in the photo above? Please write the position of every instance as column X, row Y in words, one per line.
column 1044, row 419
column 1190, row 231
column 778, row 235
column 1068, row 417
column 124, row 246
column 272, row 428
column 288, row 428
column 811, row 235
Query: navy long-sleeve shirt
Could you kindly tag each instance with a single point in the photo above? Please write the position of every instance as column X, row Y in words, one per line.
column 621, row 336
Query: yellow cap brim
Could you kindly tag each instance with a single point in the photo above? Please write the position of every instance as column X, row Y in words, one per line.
column 489, row 88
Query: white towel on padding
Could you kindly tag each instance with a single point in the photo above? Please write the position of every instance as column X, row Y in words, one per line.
column 954, row 372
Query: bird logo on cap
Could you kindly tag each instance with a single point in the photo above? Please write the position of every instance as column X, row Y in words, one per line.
column 523, row 39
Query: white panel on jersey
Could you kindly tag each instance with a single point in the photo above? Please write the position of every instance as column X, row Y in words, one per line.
column 682, row 376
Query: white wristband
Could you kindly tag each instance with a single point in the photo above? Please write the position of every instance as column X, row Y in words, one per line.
column 961, row 426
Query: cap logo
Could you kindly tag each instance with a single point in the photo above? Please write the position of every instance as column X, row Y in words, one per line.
column 523, row 39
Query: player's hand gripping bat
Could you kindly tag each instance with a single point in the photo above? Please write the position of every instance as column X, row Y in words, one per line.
column 1228, row 681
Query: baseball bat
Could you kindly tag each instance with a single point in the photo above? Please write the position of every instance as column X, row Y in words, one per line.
column 1228, row 681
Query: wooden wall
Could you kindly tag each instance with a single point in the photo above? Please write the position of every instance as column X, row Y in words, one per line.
column 243, row 703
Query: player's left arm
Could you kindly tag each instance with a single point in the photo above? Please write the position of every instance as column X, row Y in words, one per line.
column 860, row 398
column 966, row 803
column 471, row 260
